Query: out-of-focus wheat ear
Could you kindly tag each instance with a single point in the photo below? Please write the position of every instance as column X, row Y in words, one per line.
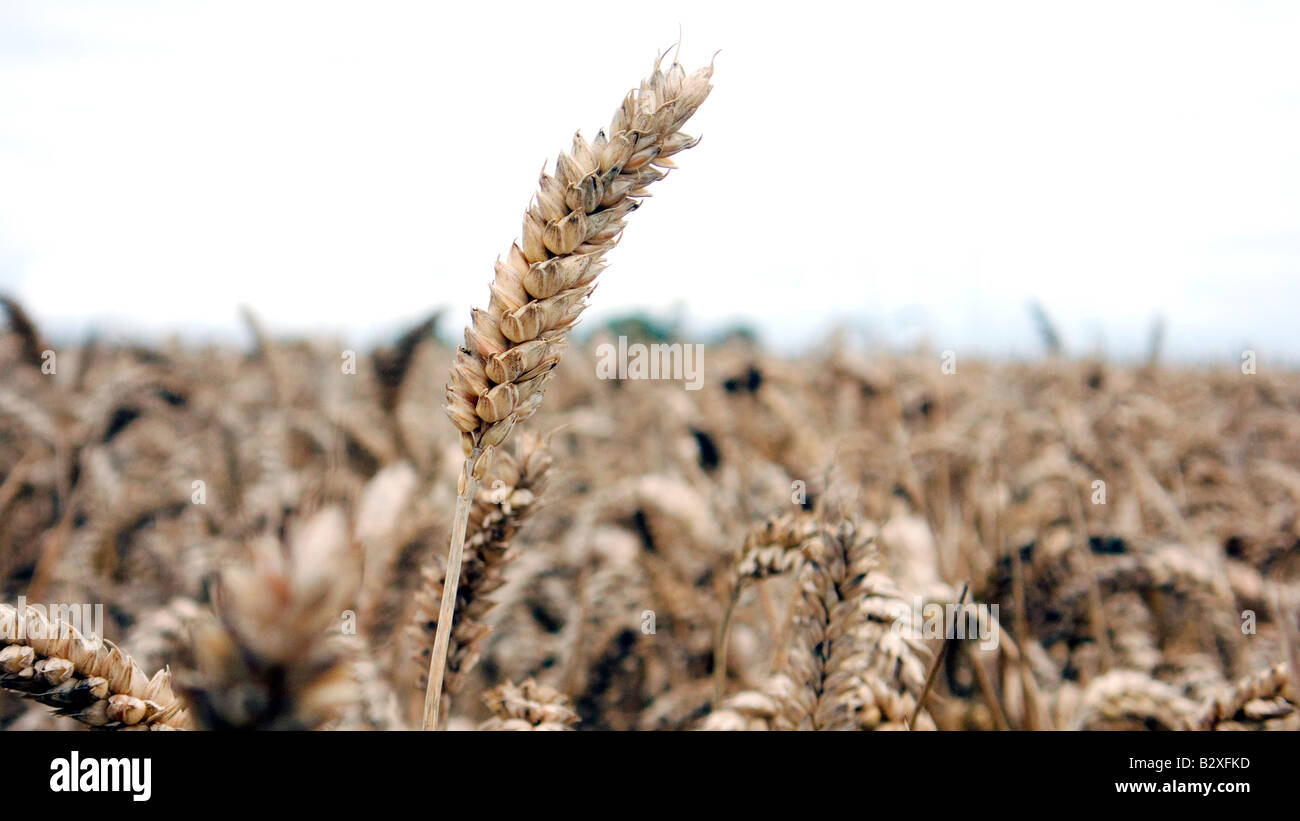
column 511, row 493
column 34, row 344
column 770, row 549
column 1285, row 607
column 88, row 679
column 746, row 710
column 392, row 363
column 267, row 352
column 1249, row 702
column 373, row 704
column 856, row 659
column 161, row 636
column 267, row 659
column 528, row 706
column 541, row 287
column 1129, row 700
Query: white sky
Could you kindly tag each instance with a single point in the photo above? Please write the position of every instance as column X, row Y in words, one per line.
column 907, row 168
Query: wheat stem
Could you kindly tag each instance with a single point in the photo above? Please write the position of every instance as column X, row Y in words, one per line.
column 438, row 660
column 934, row 667
column 724, row 635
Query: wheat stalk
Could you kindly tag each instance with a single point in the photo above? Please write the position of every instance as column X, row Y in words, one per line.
column 934, row 668
column 541, row 286
column 90, row 680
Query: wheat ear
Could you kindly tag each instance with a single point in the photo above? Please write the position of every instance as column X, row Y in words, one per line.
column 770, row 549
column 528, row 706
column 1130, row 700
column 268, row 659
column 541, row 286
column 90, row 680
column 515, row 485
column 746, row 710
column 856, row 657
column 1251, row 700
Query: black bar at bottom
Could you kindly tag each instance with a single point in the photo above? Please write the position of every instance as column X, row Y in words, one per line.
column 301, row 771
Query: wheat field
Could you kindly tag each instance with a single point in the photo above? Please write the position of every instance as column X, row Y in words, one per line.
column 824, row 494
column 291, row 534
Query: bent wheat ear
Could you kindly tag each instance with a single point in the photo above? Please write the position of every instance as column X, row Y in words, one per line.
column 541, row 286
column 90, row 680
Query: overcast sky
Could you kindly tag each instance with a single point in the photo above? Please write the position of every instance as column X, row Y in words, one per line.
column 913, row 170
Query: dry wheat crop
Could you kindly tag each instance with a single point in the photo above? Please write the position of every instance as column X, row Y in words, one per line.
column 268, row 533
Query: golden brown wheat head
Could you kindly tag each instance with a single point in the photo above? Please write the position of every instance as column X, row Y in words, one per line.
column 542, row 284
